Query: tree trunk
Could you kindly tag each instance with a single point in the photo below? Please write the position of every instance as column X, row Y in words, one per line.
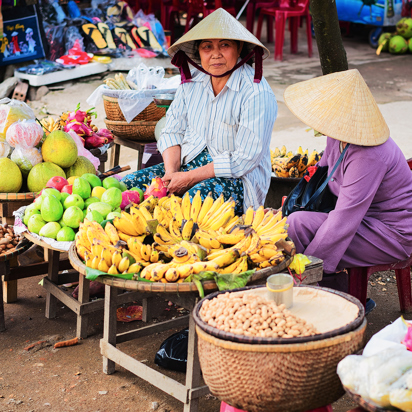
column 332, row 54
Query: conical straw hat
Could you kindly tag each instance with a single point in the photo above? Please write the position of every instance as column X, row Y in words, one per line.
column 217, row 25
column 339, row 105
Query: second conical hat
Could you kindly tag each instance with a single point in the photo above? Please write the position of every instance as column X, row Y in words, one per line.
column 217, row 25
column 339, row 105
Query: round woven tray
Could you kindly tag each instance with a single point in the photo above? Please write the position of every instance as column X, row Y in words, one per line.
column 139, row 131
column 17, row 197
column 291, row 377
column 208, row 286
column 271, row 341
column 8, row 256
column 41, row 242
column 366, row 405
column 285, row 179
column 152, row 113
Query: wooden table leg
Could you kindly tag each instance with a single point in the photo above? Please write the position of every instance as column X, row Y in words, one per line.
column 53, row 257
column 4, row 270
column 140, row 157
column 115, row 156
column 84, row 295
column 192, row 369
column 110, row 326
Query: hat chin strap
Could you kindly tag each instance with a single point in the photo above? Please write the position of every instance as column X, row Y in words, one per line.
column 181, row 60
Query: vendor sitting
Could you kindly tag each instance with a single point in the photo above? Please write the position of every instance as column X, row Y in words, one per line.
column 372, row 220
column 219, row 126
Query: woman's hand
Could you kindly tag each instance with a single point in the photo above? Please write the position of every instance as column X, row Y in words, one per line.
column 179, row 183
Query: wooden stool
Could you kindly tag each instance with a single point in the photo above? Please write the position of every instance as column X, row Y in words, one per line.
column 132, row 144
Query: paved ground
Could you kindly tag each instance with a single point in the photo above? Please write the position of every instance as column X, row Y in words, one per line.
column 45, row 379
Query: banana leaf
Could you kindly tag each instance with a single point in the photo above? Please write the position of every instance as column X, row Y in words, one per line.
column 233, row 281
column 198, row 278
column 93, row 274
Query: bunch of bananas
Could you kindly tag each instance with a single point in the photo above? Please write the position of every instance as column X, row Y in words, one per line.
column 189, row 238
column 287, row 164
column 49, row 124
column 119, row 83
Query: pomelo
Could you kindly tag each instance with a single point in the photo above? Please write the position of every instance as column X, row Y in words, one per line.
column 59, row 148
column 11, row 178
column 50, row 230
column 81, row 167
column 51, row 209
column 41, row 174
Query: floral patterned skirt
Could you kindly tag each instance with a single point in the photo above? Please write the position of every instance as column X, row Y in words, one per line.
column 216, row 185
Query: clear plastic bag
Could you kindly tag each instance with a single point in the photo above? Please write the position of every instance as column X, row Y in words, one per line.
column 10, row 112
column 26, row 159
column 5, row 149
column 72, row 34
column 146, row 77
column 24, row 134
column 82, row 151
column 150, row 21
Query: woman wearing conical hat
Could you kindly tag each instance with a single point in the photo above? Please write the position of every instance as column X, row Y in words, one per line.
column 219, row 126
column 372, row 220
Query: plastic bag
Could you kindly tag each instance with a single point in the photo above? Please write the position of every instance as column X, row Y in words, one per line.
column 146, row 77
column 173, row 352
column 73, row 9
column 82, row 151
column 10, row 112
column 25, row 159
column 24, row 134
column 5, row 149
column 72, row 37
column 55, row 39
column 75, row 55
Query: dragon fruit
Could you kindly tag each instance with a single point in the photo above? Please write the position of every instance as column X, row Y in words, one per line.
column 94, row 141
column 129, row 196
column 156, row 189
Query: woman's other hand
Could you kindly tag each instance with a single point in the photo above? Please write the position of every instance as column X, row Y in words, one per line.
column 179, row 182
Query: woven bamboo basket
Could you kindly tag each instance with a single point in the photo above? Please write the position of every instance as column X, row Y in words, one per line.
column 152, row 113
column 276, row 378
column 140, row 131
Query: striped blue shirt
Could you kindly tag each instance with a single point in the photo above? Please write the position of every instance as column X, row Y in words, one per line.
column 236, row 127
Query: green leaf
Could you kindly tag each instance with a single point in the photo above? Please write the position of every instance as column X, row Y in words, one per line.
column 103, row 224
column 93, row 274
column 233, row 281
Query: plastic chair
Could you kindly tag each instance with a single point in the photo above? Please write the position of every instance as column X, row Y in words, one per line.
column 251, row 11
column 294, row 11
column 169, row 11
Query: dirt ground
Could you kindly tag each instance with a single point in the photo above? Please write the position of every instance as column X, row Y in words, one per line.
column 71, row 379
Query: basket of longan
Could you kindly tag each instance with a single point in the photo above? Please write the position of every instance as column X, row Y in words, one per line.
column 11, row 244
column 261, row 357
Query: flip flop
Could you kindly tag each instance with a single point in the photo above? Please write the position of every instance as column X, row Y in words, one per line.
column 144, row 37
column 107, row 35
column 94, row 35
column 125, row 37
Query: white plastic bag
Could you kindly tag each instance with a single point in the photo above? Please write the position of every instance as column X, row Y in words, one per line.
column 11, row 111
column 389, row 337
column 26, row 158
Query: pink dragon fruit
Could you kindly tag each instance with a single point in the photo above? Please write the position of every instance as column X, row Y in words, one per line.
column 94, row 141
column 156, row 189
column 129, row 196
column 407, row 341
column 79, row 128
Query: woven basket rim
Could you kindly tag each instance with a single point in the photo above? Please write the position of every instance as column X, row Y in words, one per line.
column 110, row 98
column 284, row 347
column 231, row 337
column 132, row 123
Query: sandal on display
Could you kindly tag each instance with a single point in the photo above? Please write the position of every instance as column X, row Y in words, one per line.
column 94, row 35
column 125, row 37
column 107, row 35
column 144, row 37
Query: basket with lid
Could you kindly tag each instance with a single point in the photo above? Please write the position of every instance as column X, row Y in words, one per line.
column 262, row 374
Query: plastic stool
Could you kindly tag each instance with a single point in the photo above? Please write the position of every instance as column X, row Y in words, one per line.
column 358, row 281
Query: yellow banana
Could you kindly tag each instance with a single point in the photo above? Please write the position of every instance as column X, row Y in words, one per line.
column 158, row 239
column 135, row 247
column 204, row 266
column 185, row 270
column 254, row 244
column 223, row 219
column 167, row 237
column 123, row 264
column 95, row 262
column 259, row 215
column 266, row 219
column 216, row 205
column 89, row 259
column 174, row 229
column 303, row 163
column 243, row 245
column 300, row 150
column 266, row 224
column 113, row 270
column 172, row 275
column 135, row 268
column 227, row 258
column 82, row 251
column 257, row 258
column 248, row 216
column 123, row 236
column 154, row 255
column 275, row 229
column 112, row 233
column 271, row 240
column 283, row 150
column 186, row 206
column 96, row 249
column 264, row 264
column 207, row 204
column 207, row 241
column 187, row 229
column 145, row 213
column 107, row 256
column 276, row 260
column 146, row 251
column 125, row 226
column 231, row 239
column 176, row 209
column 196, row 206
column 147, row 271
column 159, row 271
column 236, row 220
column 102, row 265
column 267, row 252
column 158, row 214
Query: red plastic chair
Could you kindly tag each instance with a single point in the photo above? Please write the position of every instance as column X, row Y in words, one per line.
column 170, row 13
column 251, row 11
column 358, row 278
column 287, row 9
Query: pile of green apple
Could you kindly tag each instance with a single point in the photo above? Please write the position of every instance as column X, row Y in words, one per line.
column 57, row 214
